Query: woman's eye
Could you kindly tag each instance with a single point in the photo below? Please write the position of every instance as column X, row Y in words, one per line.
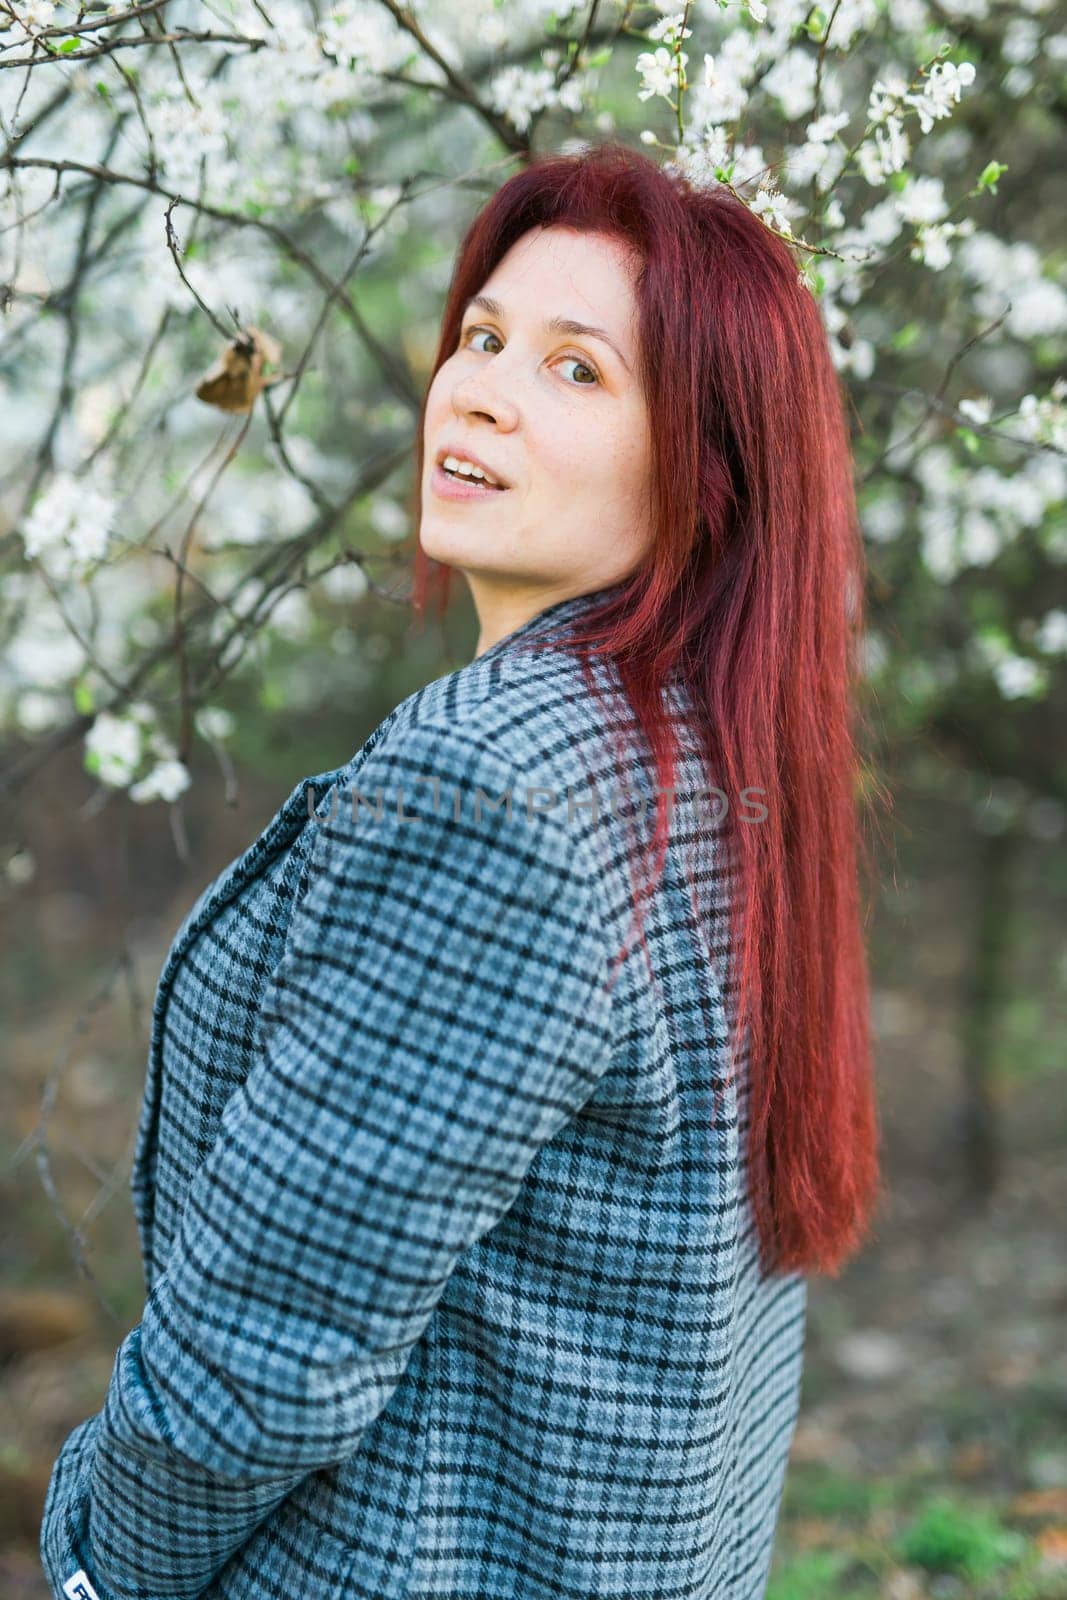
column 473, row 333
column 579, row 363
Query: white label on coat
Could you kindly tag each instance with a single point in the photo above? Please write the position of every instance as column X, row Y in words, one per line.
column 79, row 1588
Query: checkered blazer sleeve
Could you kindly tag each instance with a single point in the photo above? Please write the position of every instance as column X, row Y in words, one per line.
column 439, row 1013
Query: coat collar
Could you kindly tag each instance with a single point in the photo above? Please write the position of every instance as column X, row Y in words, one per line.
column 553, row 620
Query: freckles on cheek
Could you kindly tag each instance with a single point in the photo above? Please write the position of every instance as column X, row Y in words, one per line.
column 578, row 458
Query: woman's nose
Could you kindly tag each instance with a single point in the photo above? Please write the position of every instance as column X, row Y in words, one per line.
column 478, row 394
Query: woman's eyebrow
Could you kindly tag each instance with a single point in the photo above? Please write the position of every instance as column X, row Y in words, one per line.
column 580, row 330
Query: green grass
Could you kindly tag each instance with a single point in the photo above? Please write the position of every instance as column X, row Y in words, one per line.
column 812, row 1575
column 949, row 1536
column 843, row 1537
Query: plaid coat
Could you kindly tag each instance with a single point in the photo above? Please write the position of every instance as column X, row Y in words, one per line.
column 452, row 1285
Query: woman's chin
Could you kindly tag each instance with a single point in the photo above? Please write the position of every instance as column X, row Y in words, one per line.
column 443, row 540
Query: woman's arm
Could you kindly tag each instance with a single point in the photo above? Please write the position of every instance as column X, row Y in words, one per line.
column 439, row 1013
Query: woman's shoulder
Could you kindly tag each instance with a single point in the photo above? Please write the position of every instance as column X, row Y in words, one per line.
column 518, row 711
column 521, row 737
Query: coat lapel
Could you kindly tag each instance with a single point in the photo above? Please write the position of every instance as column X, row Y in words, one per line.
column 276, row 836
column 279, row 832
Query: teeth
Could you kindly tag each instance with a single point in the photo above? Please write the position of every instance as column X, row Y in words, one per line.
column 467, row 469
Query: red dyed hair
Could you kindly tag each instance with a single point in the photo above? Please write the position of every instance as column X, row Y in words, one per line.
column 752, row 592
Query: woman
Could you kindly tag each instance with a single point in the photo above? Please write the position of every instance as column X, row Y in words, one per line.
column 502, row 1093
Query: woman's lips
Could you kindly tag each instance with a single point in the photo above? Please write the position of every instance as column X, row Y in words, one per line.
column 451, row 488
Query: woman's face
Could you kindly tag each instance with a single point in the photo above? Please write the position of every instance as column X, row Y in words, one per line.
column 556, row 414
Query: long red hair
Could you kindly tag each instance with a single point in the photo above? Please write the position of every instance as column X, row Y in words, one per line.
column 752, row 592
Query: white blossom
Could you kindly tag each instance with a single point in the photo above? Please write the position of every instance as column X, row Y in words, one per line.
column 1044, row 420
column 363, row 35
column 771, row 206
column 33, row 15
column 886, row 95
column 981, row 540
column 749, row 162
column 21, row 866
column 1012, row 496
column 1021, row 41
column 941, row 91
column 166, row 781
column 184, row 136
column 887, row 153
column 69, row 526
column 883, row 517
column 935, row 468
column 814, row 162
column 116, row 743
column 880, row 226
column 857, row 357
column 214, row 722
column 698, row 162
column 910, row 16
column 1051, row 635
column 979, row 409
column 520, row 92
column 849, row 18
column 931, row 246
column 1018, row 678
column 1011, row 281
column 922, row 200
column 1038, row 309
column 44, row 653
column 894, row 146
column 345, row 582
column 937, row 521
column 387, row 517
column 721, row 93
column 290, row 32
column 1047, row 474
column 718, row 97
column 792, row 82
column 35, row 711
column 670, row 29
column 291, row 615
column 658, row 71
column 827, row 127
